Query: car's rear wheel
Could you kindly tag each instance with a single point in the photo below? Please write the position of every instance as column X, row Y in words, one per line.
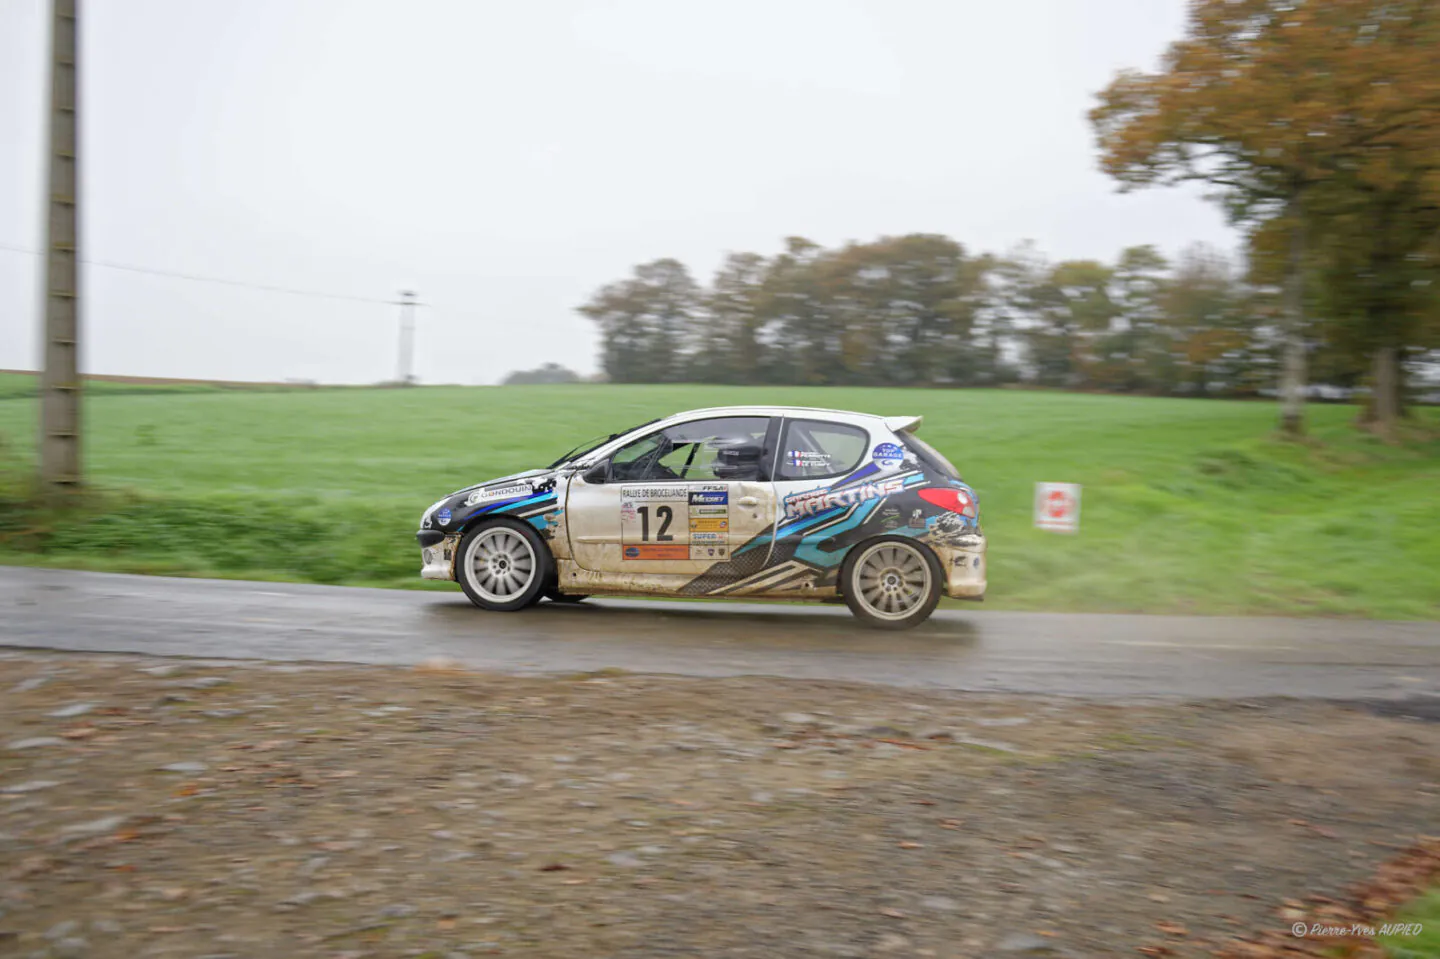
column 891, row 582
column 503, row 565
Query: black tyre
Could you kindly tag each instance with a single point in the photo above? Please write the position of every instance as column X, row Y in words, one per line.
column 503, row 565
column 891, row 582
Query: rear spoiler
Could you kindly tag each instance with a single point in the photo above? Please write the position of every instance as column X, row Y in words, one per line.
column 903, row 424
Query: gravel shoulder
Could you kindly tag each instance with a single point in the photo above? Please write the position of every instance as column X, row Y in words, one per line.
column 167, row 807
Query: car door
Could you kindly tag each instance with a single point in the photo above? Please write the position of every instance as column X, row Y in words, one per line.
column 676, row 502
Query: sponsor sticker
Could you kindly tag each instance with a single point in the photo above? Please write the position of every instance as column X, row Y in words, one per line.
column 709, row 552
column 807, row 458
column 657, row 551
column 494, row 494
column 653, row 492
column 815, row 501
column 888, row 454
column 443, row 516
column 663, row 521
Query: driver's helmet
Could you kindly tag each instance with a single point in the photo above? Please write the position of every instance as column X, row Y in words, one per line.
column 735, row 457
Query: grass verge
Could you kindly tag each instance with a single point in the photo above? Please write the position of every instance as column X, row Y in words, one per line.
column 1425, row 944
column 1189, row 506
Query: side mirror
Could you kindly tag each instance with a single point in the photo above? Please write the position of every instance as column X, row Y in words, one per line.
column 597, row 474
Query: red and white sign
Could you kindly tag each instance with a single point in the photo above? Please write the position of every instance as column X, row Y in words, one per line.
column 1057, row 507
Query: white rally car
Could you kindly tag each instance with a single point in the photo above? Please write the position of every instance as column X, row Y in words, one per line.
column 746, row 501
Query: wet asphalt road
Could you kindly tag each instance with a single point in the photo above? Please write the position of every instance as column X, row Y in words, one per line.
column 1086, row 655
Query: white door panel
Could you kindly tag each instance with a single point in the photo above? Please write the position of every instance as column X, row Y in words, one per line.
column 658, row 528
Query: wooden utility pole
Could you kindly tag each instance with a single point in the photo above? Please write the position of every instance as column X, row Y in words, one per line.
column 60, row 379
column 405, row 367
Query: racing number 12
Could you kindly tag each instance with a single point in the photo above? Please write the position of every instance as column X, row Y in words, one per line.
column 666, row 515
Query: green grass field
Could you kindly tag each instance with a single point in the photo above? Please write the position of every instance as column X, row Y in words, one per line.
column 1424, row 944
column 1189, row 506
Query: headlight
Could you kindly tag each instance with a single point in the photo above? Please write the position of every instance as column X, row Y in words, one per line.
column 425, row 516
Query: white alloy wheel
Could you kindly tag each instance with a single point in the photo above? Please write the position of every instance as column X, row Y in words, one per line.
column 892, row 583
column 503, row 567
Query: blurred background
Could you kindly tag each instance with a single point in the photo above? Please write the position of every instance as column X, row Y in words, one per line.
column 505, row 161
column 991, row 214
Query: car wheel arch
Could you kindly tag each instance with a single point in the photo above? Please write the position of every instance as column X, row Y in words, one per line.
column 543, row 571
column 864, row 610
column 855, row 550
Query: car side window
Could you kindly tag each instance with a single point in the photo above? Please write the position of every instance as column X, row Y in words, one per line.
column 724, row 449
column 817, row 449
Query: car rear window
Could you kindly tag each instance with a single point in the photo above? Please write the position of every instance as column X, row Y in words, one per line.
column 929, row 455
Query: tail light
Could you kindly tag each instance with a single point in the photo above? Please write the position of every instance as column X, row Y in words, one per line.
column 955, row 500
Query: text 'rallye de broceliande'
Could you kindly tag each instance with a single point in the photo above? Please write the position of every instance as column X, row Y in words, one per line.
column 755, row 502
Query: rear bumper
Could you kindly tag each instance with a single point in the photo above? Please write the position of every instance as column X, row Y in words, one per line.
column 964, row 563
column 437, row 561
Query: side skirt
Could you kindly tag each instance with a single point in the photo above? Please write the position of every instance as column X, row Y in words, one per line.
column 790, row 581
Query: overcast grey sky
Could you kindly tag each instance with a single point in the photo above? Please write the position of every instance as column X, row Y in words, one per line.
column 505, row 159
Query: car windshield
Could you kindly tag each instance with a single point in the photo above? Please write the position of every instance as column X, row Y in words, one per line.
column 595, row 443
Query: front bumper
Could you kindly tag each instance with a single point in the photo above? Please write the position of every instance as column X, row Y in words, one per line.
column 437, row 561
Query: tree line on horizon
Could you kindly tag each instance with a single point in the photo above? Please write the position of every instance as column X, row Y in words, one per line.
column 920, row 310
column 1316, row 125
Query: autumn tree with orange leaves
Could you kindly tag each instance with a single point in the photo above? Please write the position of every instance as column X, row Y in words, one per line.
column 1294, row 110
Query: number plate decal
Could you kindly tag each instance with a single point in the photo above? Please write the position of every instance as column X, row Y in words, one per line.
column 663, row 522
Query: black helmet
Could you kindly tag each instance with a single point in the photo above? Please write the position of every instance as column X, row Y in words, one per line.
column 736, row 457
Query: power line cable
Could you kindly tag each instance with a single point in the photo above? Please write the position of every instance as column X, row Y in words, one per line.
column 214, row 279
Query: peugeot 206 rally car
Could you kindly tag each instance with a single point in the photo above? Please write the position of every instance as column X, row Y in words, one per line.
column 755, row 502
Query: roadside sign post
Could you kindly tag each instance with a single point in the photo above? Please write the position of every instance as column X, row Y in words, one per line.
column 1057, row 507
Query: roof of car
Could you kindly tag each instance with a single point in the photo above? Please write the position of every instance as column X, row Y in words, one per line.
column 898, row 424
column 771, row 411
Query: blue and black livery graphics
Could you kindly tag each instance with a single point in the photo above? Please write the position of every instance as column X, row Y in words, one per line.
column 810, row 549
column 538, row 508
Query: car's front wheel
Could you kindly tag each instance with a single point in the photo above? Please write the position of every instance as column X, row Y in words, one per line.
column 891, row 582
column 503, row 565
